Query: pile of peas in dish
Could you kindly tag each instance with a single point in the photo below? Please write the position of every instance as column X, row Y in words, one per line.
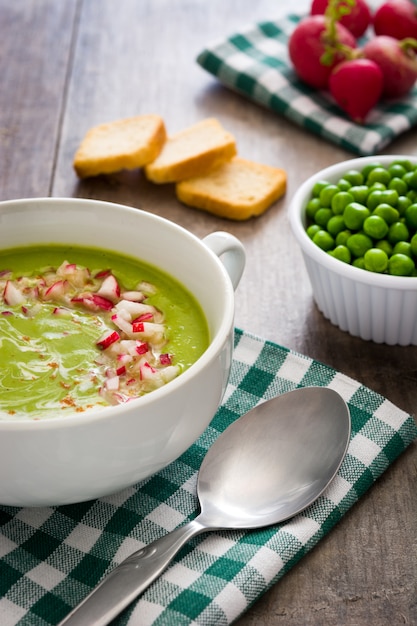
column 368, row 218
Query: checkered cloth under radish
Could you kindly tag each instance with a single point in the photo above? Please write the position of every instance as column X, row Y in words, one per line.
column 255, row 63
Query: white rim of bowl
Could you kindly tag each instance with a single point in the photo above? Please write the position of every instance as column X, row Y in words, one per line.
column 296, row 214
column 214, row 348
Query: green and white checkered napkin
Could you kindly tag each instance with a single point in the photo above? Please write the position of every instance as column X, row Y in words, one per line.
column 50, row 558
column 255, row 63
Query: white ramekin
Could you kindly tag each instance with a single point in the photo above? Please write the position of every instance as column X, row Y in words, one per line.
column 376, row 307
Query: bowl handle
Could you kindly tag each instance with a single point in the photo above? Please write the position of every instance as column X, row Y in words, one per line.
column 230, row 251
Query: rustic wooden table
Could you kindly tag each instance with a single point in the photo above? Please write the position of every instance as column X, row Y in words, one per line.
column 66, row 66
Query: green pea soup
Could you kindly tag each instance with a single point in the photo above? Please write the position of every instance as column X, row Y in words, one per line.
column 48, row 363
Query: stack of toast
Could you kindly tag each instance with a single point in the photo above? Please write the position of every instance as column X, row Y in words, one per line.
column 201, row 161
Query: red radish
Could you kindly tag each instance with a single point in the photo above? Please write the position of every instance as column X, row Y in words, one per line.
column 133, row 296
column 308, row 43
column 61, row 311
column 145, row 317
column 121, row 370
column 107, row 339
column 396, row 18
column 103, row 273
column 138, row 327
column 398, row 62
column 356, row 85
column 147, row 371
column 142, row 348
column 12, row 295
column 102, row 303
column 56, row 291
column 110, row 288
column 165, row 359
column 357, row 15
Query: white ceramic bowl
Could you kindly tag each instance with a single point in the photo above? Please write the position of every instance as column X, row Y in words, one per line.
column 84, row 456
column 372, row 306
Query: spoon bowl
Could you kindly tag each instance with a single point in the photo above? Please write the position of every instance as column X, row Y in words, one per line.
column 274, row 461
column 266, row 467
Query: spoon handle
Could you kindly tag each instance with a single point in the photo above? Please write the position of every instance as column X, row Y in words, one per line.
column 130, row 578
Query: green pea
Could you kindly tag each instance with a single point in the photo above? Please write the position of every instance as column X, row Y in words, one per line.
column 376, row 227
column 411, row 216
column 405, row 163
column 359, row 262
column 369, row 218
column 412, row 195
column 375, row 260
column 400, row 265
column 342, row 237
column 354, row 177
column 359, row 243
column 403, row 247
column 340, row 201
column 312, row 207
column 322, row 216
column 399, row 185
column 402, row 204
column 377, row 187
column 398, row 231
column 335, row 225
column 327, row 193
column 344, row 185
column 387, row 212
column 368, row 168
column 355, row 215
column 374, row 198
column 411, row 179
column 318, row 186
column 342, row 253
column 359, row 193
column 385, row 245
column 389, row 196
column 312, row 230
column 397, row 170
column 324, row 240
column 380, row 175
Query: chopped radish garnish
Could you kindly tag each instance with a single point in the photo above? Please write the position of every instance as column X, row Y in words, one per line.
column 107, row 339
column 102, row 303
column 59, row 310
column 56, row 290
column 131, row 350
column 138, row 327
column 110, row 288
column 12, row 295
column 147, row 371
column 102, row 273
column 145, row 317
column 142, row 347
column 134, row 296
column 112, row 384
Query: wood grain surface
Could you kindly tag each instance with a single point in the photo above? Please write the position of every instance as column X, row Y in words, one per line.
column 66, row 66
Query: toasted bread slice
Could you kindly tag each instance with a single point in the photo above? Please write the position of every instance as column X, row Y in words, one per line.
column 237, row 189
column 191, row 152
column 124, row 144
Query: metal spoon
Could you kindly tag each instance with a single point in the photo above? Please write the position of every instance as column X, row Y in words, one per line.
column 266, row 467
